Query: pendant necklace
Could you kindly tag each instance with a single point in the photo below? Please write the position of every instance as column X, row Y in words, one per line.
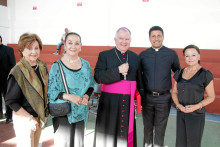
column 71, row 61
column 36, row 67
column 124, row 74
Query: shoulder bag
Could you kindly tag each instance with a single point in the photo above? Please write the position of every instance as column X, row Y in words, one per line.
column 60, row 109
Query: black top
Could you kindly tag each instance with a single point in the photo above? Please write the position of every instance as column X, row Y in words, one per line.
column 191, row 91
column 157, row 66
column 156, row 69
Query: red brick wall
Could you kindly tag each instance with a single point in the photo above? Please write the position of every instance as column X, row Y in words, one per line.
column 3, row 2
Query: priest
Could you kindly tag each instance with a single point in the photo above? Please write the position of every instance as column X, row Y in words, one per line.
column 117, row 71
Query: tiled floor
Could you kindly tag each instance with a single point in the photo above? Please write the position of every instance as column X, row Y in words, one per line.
column 210, row 137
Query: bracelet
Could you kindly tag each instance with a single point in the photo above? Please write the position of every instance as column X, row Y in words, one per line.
column 201, row 105
column 177, row 106
column 30, row 117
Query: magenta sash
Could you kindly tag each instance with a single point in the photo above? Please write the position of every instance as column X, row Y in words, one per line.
column 124, row 87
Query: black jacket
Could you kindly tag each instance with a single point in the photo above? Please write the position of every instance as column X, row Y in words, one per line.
column 7, row 61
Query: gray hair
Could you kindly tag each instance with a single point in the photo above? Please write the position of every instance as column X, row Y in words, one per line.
column 122, row 29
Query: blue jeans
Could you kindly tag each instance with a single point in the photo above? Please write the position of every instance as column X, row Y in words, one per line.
column 59, row 45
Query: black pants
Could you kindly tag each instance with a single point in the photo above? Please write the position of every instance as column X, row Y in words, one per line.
column 189, row 130
column 155, row 117
column 66, row 134
column 3, row 88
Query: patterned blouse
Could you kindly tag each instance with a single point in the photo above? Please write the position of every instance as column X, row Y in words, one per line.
column 78, row 82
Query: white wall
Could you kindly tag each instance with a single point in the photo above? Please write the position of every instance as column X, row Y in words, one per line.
column 4, row 24
column 184, row 21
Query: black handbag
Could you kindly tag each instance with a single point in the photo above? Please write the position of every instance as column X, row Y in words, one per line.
column 60, row 109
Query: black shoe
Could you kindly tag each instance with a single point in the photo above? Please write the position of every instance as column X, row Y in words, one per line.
column 8, row 120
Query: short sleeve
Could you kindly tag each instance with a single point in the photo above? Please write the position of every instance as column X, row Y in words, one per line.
column 208, row 78
column 177, row 75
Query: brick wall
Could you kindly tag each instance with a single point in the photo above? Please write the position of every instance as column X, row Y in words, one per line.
column 210, row 59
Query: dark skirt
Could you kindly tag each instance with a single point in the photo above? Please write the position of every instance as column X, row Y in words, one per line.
column 66, row 134
column 112, row 122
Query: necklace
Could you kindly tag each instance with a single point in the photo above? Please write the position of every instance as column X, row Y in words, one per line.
column 124, row 74
column 36, row 67
column 71, row 61
column 192, row 70
column 189, row 73
column 119, row 58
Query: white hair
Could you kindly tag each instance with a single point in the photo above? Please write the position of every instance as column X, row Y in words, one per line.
column 122, row 29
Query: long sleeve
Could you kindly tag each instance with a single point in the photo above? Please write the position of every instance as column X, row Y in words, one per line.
column 7, row 61
column 90, row 90
column 13, row 95
column 15, row 99
column 11, row 55
column 104, row 74
column 140, row 84
column 176, row 63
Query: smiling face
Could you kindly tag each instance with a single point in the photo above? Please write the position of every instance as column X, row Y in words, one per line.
column 192, row 56
column 32, row 53
column 73, row 45
column 123, row 40
column 156, row 39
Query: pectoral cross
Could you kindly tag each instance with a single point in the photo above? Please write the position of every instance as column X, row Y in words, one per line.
column 124, row 74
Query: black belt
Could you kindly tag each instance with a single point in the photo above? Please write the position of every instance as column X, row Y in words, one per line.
column 154, row 93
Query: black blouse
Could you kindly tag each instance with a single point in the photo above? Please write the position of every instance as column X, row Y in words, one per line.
column 192, row 91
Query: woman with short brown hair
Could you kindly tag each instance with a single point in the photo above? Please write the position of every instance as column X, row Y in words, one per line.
column 27, row 92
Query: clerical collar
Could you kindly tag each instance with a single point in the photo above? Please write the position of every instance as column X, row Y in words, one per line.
column 120, row 51
column 157, row 49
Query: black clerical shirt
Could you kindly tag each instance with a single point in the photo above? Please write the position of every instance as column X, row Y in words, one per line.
column 156, row 67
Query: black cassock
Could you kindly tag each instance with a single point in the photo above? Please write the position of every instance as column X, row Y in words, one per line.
column 112, row 120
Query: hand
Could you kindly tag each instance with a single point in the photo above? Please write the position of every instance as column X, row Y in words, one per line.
column 181, row 108
column 73, row 98
column 85, row 99
column 34, row 124
column 123, row 68
column 190, row 108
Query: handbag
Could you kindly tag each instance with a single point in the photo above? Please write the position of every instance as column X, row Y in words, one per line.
column 60, row 109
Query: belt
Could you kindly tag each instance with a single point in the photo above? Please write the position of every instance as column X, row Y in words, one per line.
column 154, row 93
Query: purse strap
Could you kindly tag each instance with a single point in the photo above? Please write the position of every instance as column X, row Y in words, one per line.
column 63, row 78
